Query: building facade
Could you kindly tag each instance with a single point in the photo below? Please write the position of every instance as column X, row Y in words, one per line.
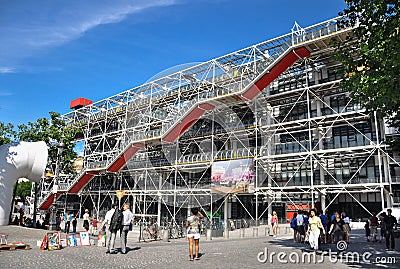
column 264, row 128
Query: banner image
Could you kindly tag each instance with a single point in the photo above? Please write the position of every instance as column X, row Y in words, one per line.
column 234, row 176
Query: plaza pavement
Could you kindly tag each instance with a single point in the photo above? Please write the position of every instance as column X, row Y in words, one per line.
column 235, row 252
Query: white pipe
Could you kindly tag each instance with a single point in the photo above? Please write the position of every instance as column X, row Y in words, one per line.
column 19, row 160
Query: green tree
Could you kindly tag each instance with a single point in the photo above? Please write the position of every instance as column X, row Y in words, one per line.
column 52, row 131
column 7, row 133
column 371, row 58
column 23, row 189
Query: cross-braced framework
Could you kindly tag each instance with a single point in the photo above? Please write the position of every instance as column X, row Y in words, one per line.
column 275, row 109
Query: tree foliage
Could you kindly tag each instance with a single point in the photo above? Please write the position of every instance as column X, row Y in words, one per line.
column 371, row 56
column 23, row 189
column 52, row 131
column 7, row 133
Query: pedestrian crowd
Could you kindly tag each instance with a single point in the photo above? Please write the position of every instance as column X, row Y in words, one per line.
column 387, row 224
column 310, row 227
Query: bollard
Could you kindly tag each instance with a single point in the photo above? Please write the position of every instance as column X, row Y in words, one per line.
column 166, row 235
column 267, row 231
column 208, row 234
column 226, row 234
column 255, row 231
column 242, row 232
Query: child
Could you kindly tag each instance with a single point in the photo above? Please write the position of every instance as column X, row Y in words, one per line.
column 94, row 226
column 367, row 230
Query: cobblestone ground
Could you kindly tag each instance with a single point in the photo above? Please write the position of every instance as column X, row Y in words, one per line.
column 217, row 253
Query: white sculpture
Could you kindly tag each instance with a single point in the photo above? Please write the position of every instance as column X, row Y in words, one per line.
column 19, row 160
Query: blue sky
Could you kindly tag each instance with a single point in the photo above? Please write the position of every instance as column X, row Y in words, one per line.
column 54, row 51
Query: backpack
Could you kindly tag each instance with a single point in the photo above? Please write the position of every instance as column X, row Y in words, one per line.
column 293, row 223
column 116, row 220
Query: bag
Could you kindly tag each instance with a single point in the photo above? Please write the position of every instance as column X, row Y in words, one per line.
column 293, row 223
column 116, row 220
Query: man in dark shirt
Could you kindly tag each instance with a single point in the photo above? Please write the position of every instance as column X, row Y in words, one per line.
column 390, row 223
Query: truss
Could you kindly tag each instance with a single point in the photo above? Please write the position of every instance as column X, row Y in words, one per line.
column 277, row 103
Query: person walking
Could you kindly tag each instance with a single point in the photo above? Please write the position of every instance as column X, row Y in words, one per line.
column 94, row 226
column 67, row 221
column 336, row 228
column 274, row 223
column 193, row 232
column 300, row 226
column 390, row 222
column 86, row 218
column 382, row 225
column 374, row 227
column 324, row 221
column 346, row 227
column 74, row 223
column 367, row 230
column 112, row 226
column 126, row 223
column 314, row 226
column 293, row 225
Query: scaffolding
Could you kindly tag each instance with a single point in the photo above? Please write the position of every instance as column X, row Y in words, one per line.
column 275, row 107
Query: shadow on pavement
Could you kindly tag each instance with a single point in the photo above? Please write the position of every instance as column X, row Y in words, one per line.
column 358, row 254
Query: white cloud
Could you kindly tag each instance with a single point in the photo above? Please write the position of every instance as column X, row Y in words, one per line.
column 6, row 70
column 43, row 23
column 5, row 93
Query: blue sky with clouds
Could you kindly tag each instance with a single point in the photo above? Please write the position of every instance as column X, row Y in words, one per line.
column 54, row 51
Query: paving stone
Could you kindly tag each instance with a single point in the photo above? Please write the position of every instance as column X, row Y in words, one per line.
column 216, row 253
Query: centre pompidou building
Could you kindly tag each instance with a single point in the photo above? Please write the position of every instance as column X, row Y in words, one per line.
column 264, row 128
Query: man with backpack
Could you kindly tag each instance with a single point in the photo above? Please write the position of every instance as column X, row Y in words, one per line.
column 113, row 221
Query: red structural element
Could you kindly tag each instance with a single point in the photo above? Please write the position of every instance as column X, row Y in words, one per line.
column 274, row 72
column 49, row 200
column 82, row 181
column 125, row 157
column 80, row 102
column 187, row 121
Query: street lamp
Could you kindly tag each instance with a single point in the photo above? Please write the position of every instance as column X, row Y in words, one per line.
column 53, row 209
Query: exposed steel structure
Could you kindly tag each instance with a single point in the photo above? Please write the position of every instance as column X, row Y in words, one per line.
column 277, row 104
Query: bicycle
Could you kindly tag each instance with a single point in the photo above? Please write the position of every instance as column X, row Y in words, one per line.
column 151, row 232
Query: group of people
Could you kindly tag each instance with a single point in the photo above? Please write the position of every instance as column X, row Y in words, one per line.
column 69, row 219
column 316, row 227
column 387, row 223
column 114, row 221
